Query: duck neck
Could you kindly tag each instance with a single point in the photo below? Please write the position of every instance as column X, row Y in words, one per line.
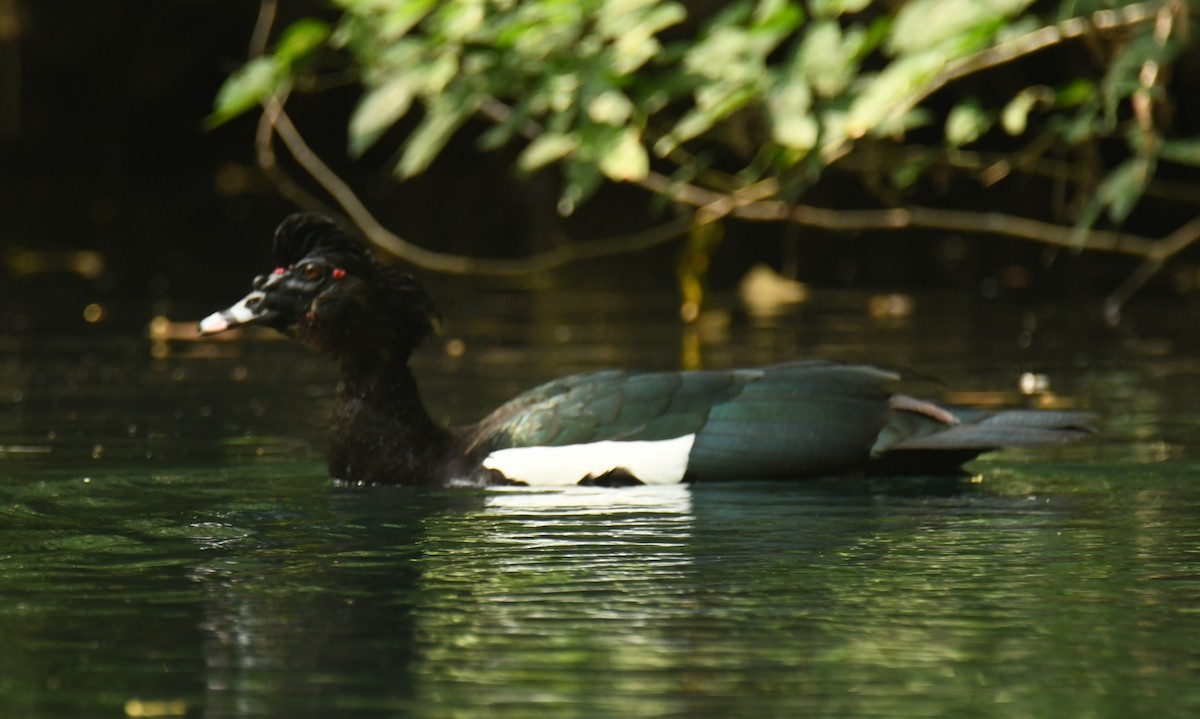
column 382, row 433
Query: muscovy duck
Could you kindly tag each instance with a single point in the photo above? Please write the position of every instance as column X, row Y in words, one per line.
column 798, row 419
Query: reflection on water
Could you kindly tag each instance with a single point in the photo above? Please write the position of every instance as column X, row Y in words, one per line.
column 201, row 565
column 520, row 502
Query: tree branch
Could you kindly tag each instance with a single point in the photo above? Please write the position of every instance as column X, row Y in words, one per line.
column 929, row 218
column 280, row 124
column 1171, row 245
column 267, row 10
column 750, row 207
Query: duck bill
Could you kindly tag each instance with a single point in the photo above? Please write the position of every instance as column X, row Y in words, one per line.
column 250, row 310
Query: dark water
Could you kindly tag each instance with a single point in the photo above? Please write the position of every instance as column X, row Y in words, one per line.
column 170, row 545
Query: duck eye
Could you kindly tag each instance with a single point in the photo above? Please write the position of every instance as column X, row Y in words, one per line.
column 312, row 271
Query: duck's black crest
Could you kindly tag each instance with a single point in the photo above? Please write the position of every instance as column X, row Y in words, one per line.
column 307, row 235
column 405, row 303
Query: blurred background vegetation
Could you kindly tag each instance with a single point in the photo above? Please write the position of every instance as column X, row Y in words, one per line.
column 998, row 146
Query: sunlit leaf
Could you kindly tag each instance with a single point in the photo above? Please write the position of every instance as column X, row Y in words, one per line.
column 555, row 94
column 301, row 39
column 725, row 53
column 924, row 24
column 1017, row 27
column 1015, row 115
column 631, row 52
column 546, row 148
column 538, row 29
column 780, row 16
column 632, row 26
column 733, row 13
column 833, row 130
column 612, row 15
column 378, row 110
column 792, row 123
column 876, row 105
column 442, row 117
column 826, row 58
column 966, row 123
column 833, row 8
column 1185, row 151
column 401, row 17
column 714, row 103
column 611, row 107
column 435, row 76
column 457, row 19
column 245, row 89
column 622, row 156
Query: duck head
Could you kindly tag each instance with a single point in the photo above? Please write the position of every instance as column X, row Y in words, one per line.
column 328, row 292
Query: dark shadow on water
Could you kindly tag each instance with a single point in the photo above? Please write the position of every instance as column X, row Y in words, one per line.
column 322, row 605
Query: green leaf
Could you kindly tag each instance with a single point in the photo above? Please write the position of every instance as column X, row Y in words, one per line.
column 1184, row 151
column 245, row 89
column 622, row 157
column 727, row 53
column 378, row 110
column 1081, row 127
column 827, row 59
column 301, row 39
column 966, row 123
column 1075, row 93
column 834, row 8
column 500, row 133
column 1015, row 115
column 834, row 133
column 905, row 174
column 610, row 107
column 714, row 103
column 442, row 118
column 925, row 24
column 792, row 123
column 873, row 109
column 1124, row 186
column 1119, row 192
column 582, row 179
column 402, row 16
column 457, row 19
column 548, row 147
column 437, row 74
column 632, row 25
column 777, row 16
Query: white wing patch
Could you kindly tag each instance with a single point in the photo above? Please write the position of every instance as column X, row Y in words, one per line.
column 652, row 462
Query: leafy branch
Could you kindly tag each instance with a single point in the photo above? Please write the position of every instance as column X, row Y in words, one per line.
column 740, row 114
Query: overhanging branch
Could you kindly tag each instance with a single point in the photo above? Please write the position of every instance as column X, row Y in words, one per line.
column 277, row 122
column 738, row 205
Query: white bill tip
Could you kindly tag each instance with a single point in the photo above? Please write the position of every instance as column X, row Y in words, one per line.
column 213, row 324
column 248, row 309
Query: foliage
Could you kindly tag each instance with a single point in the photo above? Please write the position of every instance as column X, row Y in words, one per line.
column 747, row 91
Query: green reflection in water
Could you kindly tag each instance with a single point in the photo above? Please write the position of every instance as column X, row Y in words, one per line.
column 273, row 594
column 204, row 562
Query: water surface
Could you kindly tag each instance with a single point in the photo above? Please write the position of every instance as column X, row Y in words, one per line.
column 171, row 546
